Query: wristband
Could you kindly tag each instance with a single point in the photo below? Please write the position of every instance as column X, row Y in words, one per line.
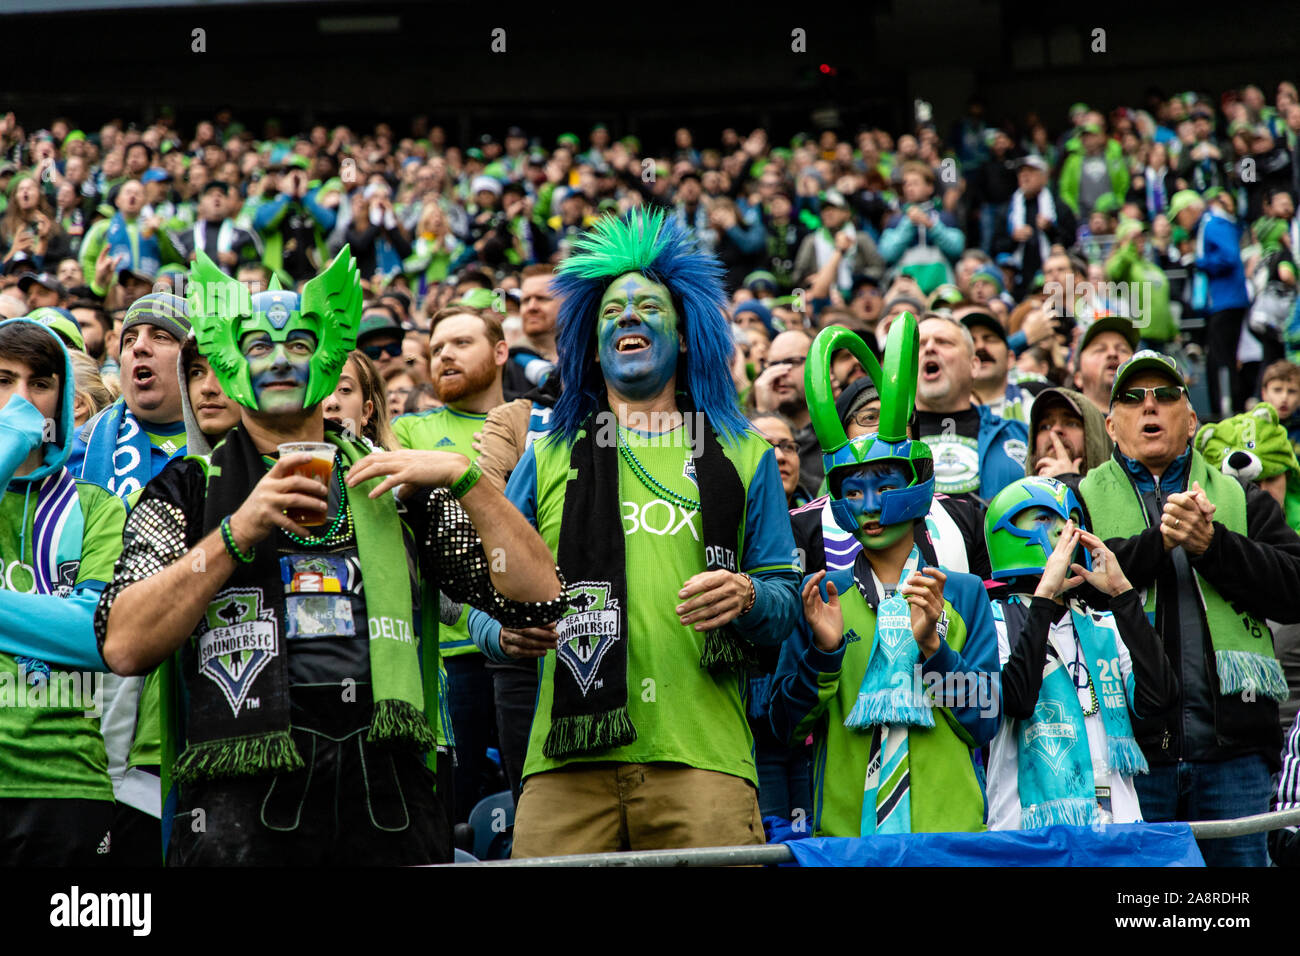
column 232, row 549
column 467, row 481
column 753, row 594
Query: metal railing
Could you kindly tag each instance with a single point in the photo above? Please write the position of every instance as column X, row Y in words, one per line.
column 772, row 853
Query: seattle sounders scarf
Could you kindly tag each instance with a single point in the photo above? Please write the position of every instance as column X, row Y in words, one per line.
column 887, row 694
column 1243, row 645
column 57, row 530
column 1053, row 760
column 888, row 701
column 241, row 645
column 118, row 451
column 589, row 705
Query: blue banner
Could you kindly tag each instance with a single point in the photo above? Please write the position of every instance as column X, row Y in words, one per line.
column 1133, row 844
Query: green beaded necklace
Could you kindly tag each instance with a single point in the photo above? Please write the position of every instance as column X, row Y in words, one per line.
column 650, row 482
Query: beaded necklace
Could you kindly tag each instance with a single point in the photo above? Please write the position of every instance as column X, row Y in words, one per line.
column 654, row 485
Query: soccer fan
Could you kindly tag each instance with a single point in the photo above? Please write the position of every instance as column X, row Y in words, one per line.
column 668, row 516
column 891, row 757
column 1071, row 671
column 268, row 778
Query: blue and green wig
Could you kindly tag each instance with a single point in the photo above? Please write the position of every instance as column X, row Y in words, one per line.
column 659, row 248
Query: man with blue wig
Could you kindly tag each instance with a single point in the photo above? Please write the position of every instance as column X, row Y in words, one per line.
column 667, row 517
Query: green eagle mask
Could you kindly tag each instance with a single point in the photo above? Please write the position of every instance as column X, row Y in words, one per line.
column 223, row 312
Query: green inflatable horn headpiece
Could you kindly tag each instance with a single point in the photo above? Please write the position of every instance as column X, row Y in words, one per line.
column 896, row 384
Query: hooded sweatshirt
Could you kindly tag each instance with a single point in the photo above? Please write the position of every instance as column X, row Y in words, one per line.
column 1097, row 445
column 59, row 540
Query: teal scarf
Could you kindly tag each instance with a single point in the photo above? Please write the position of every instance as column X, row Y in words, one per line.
column 890, row 692
column 1054, row 764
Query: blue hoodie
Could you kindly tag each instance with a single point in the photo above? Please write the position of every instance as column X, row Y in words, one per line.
column 1218, row 255
column 76, row 536
column 1003, row 448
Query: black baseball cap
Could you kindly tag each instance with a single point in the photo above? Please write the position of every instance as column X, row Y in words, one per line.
column 985, row 320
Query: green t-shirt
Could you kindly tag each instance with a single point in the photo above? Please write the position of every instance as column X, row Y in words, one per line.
column 444, row 429
column 50, row 745
column 681, row 711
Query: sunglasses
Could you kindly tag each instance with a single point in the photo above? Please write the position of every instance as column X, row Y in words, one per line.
column 392, row 350
column 1165, row 395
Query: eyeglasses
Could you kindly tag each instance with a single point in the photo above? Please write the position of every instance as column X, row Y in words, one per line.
column 392, row 350
column 786, row 446
column 867, row 417
column 1165, row 395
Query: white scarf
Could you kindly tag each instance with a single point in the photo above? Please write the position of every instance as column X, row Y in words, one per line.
column 1017, row 216
column 225, row 236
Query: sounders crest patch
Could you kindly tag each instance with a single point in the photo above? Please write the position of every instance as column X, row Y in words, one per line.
column 238, row 644
column 1052, row 734
column 587, row 631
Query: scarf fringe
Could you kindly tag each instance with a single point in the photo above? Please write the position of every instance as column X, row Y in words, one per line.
column 1248, row 672
column 723, row 651
column 1125, row 756
column 575, row 734
column 894, row 705
column 274, row 752
column 400, row 722
column 1071, row 811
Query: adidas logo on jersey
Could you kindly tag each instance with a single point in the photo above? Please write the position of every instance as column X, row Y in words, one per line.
column 104, row 844
column 444, row 441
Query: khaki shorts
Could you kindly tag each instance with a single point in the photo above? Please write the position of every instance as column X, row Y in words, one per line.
column 602, row 808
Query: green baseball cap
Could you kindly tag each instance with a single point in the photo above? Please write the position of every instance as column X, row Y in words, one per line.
column 60, row 322
column 1147, row 360
column 1110, row 323
column 1180, row 201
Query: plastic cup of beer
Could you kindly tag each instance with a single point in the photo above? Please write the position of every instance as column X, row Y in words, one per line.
column 320, row 468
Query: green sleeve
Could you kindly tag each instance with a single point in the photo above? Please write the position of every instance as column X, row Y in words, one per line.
column 90, row 249
column 101, row 542
column 1068, row 187
column 1120, row 262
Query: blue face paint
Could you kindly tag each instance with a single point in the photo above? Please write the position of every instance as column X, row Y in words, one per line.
column 286, row 363
column 634, row 306
column 861, row 496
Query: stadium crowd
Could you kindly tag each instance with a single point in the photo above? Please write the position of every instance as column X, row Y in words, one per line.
column 1089, row 401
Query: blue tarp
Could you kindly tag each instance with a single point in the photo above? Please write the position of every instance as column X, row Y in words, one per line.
column 1133, row 844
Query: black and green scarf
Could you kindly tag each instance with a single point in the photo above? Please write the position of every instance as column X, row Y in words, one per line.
column 238, row 720
column 589, row 703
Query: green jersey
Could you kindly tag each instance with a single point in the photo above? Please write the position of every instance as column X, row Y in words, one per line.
column 50, row 744
column 444, row 429
column 682, row 712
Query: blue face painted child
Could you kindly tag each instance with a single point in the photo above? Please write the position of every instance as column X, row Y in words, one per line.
column 278, row 371
column 637, row 337
column 861, row 496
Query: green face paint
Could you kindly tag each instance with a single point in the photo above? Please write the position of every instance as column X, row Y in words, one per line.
column 227, row 321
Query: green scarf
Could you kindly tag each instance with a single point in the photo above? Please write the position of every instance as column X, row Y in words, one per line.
column 240, row 646
column 1243, row 644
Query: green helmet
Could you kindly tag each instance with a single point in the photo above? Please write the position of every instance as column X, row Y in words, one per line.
column 1016, row 552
